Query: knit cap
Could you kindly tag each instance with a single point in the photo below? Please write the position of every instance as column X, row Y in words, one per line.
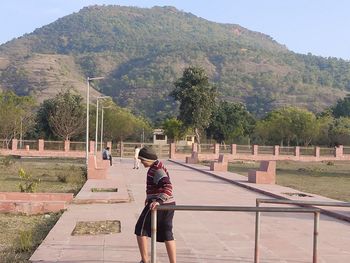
column 147, row 154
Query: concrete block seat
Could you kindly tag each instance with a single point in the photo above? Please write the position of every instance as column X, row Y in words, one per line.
column 220, row 165
column 97, row 168
column 266, row 174
column 193, row 159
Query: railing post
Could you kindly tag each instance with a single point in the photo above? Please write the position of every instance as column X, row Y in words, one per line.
column 172, row 151
column 276, row 150
column 297, row 151
column 316, row 223
column 233, row 149
column 92, row 146
column 14, row 145
column 216, row 149
column 41, row 145
column 257, row 234
column 121, row 149
column 154, row 236
column 255, row 150
column 338, row 153
column 66, row 145
column 317, row 152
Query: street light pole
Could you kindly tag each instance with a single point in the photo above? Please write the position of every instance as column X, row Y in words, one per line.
column 102, row 125
column 87, row 117
column 96, row 130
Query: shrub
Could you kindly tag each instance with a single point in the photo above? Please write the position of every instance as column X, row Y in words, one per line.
column 25, row 240
column 62, row 178
column 8, row 161
column 28, row 184
column 84, row 171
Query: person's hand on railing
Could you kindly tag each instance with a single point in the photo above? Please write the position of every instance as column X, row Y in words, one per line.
column 153, row 205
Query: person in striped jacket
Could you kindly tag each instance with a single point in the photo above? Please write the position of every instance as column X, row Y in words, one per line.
column 159, row 191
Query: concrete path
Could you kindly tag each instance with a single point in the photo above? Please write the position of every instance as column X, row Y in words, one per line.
column 202, row 237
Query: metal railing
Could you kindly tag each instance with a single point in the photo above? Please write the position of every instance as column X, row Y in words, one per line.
column 289, row 202
column 257, row 210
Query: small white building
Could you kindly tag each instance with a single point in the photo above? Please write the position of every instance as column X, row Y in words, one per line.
column 159, row 137
column 189, row 139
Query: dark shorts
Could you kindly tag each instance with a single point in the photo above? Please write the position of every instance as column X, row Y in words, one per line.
column 164, row 224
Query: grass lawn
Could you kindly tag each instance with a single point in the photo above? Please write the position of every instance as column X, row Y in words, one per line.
column 20, row 235
column 56, row 175
column 329, row 179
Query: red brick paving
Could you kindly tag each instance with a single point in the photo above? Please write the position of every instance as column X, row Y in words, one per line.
column 201, row 236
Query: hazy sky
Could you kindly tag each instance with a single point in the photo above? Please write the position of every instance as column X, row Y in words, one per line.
column 320, row 27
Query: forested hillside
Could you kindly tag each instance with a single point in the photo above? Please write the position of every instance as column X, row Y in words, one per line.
column 141, row 52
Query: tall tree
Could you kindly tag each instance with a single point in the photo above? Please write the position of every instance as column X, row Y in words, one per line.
column 173, row 128
column 342, row 108
column 197, row 99
column 231, row 121
column 16, row 115
column 288, row 124
column 339, row 131
column 42, row 126
column 65, row 115
column 120, row 124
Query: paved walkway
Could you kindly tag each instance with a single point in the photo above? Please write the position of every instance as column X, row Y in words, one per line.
column 201, row 236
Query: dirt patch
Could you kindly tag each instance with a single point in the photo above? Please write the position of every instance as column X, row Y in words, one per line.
column 97, row 228
column 104, row 189
column 297, row 194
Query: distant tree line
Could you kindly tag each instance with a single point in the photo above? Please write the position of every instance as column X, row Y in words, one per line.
column 64, row 118
column 228, row 122
column 201, row 113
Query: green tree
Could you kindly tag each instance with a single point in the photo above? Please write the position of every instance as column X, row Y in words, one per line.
column 339, row 131
column 173, row 128
column 121, row 124
column 342, row 108
column 16, row 115
column 325, row 122
column 304, row 125
column 231, row 121
column 286, row 125
column 197, row 99
column 42, row 126
column 63, row 116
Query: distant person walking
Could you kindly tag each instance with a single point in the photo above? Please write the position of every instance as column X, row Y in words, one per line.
column 136, row 158
column 159, row 191
column 106, row 155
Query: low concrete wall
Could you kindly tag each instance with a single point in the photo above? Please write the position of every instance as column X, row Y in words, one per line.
column 42, row 151
column 33, row 203
column 67, row 197
column 254, row 155
column 252, row 152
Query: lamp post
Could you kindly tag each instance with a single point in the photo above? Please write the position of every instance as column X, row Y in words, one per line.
column 102, row 125
column 101, row 97
column 87, row 117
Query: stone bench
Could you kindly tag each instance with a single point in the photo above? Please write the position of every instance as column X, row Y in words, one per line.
column 193, row 159
column 220, row 165
column 266, row 174
column 97, row 168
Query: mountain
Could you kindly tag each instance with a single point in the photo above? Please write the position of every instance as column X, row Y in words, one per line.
column 141, row 52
